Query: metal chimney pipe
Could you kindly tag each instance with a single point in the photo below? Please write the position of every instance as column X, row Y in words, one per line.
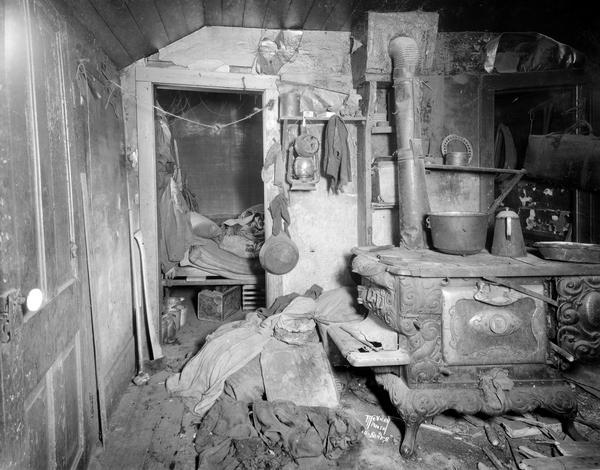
column 412, row 192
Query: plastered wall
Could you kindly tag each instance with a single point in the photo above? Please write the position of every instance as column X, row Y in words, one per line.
column 323, row 224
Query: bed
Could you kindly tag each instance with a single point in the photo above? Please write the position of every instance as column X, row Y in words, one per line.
column 226, row 260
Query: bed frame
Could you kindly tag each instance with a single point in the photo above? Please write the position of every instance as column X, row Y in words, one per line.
column 187, row 276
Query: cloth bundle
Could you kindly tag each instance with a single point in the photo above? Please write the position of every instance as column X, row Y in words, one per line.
column 213, row 259
column 235, row 344
column 245, row 235
column 274, row 431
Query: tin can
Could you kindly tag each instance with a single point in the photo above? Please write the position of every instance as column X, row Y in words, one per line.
column 289, row 104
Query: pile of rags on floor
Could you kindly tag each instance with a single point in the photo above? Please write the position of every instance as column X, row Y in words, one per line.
column 225, row 383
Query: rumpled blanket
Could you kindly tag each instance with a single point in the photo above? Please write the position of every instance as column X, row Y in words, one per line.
column 281, row 302
column 273, row 430
column 235, row 344
column 225, row 352
column 209, row 257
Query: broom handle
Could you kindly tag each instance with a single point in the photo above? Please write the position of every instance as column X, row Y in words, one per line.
column 154, row 342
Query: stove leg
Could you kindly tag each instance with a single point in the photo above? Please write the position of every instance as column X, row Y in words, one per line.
column 564, row 407
column 411, row 429
column 569, row 429
column 416, row 405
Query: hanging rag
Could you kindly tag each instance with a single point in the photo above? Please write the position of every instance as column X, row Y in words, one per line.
column 275, row 157
column 165, row 162
column 336, row 159
column 280, row 213
column 175, row 233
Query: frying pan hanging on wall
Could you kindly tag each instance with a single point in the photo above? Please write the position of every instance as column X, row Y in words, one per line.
column 279, row 254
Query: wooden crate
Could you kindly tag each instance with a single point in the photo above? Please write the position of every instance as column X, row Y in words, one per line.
column 219, row 303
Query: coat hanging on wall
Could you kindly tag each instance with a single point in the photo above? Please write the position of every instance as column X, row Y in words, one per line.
column 336, row 158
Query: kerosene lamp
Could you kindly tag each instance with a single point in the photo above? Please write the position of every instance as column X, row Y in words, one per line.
column 303, row 162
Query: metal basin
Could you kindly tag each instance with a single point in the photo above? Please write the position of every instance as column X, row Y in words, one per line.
column 567, row 251
column 458, row 233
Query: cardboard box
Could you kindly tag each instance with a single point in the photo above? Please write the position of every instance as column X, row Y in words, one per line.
column 219, row 303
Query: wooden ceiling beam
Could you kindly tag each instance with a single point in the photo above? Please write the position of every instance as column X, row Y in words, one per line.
column 172, row 16
column 339, row 15
column 392, row 5
column 297, row 12
column 213, row 13
column 194, row 14
column 276, row 14
column 255, row 13
column 357, row 10
column 232, row 12
column 87, row 15
column 318, row 14
column 117, row 17
column 146, row 16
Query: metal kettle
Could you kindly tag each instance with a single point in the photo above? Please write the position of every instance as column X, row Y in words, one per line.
column 508, row 236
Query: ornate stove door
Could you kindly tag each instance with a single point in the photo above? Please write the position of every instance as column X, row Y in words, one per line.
column 486, row 324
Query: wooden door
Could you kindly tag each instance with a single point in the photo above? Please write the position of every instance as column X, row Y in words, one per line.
column 43, row 353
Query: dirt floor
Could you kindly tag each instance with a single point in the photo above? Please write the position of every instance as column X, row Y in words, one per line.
column 151, row 430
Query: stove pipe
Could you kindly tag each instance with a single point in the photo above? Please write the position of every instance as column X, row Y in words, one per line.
column 412, row 192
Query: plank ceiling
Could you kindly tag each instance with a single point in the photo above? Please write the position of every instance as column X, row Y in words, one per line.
column 128, row 30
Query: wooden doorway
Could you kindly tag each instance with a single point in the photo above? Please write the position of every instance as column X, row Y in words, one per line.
column 146, row 80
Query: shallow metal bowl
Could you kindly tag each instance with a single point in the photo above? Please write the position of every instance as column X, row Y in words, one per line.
column 568, row 251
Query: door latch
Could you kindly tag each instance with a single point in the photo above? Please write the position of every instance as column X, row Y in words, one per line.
column 8, row 303
column 4, row 320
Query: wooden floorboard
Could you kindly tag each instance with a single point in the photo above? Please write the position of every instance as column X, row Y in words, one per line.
column 150, row 429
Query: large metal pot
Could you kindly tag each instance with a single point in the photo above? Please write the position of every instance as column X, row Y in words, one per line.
column 458, row 233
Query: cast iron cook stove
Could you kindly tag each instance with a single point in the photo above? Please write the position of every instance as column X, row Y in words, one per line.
column 476, row 345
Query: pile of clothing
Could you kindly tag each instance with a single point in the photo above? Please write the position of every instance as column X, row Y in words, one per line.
column 191, row 239
column 228, row 367
column 276, row 435
column 245, row 235
column 233, row 345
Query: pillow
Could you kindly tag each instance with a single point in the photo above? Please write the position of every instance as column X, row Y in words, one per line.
column 337, row 305
column 202, row 226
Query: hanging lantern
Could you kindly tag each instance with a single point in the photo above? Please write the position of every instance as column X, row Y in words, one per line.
column 303, row 165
